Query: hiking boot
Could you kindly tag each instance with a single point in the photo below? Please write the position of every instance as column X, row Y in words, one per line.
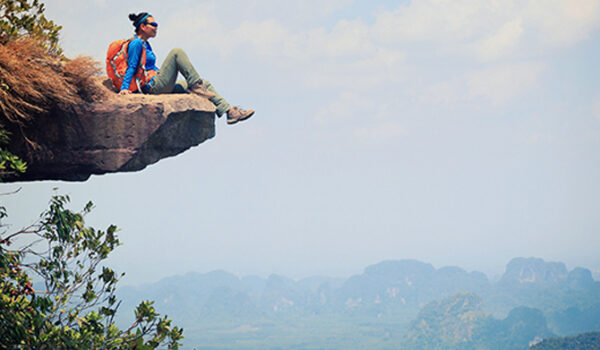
column 236, row 114
column 200, row 89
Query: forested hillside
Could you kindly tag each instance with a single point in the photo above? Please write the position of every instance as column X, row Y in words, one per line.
column 585, row 341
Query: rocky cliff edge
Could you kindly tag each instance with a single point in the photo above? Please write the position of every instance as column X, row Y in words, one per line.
column 114, row 134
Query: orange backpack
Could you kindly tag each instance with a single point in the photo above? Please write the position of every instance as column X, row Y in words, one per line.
column 116, row 66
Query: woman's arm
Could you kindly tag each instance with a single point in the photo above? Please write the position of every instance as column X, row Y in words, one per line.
column 134, row 53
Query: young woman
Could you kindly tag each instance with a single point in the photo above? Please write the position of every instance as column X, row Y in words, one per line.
column 163, row 81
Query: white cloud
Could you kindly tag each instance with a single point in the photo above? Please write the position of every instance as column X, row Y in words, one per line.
column 352, row 53
column 560, row 22
column 381, row 131
column 346, row 106
column 426, row 20
column 443, row 93
column 501, row 42
column 205, row 30
column 265, row 37
column 346, row 38
column 294, row 13
column 361, row 116
column 421, row 43
column 280, row 30
column 491, row 27
column 380, row 67
column 503, row 83
column 273, row 38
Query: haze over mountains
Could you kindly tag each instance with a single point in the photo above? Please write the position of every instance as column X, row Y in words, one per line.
column 392, row 303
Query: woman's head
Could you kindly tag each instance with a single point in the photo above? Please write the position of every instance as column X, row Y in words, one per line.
column 144, row 23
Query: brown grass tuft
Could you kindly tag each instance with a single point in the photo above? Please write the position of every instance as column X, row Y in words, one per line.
column 33, row 81
column 79, row 72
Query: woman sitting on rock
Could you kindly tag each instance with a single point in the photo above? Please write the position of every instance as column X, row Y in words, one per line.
column 176, row 62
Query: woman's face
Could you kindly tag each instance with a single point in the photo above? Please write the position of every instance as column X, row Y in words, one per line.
column 149, row 27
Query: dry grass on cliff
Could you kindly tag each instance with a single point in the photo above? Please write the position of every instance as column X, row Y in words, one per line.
column 33, row 82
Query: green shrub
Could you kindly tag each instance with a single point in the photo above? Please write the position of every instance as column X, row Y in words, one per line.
column 74, row 306
column 25, row 17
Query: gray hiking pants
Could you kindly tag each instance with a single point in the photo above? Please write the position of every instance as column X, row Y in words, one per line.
column 165, row 82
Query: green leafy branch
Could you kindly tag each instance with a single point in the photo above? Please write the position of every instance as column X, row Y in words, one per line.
column 77, row 305
column 25, row 17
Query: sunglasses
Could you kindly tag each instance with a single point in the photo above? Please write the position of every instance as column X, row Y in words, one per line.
column 154, row 24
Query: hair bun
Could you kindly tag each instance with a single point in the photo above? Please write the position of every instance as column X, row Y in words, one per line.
column 132, row 17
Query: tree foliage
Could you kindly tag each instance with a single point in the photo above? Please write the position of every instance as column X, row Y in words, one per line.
column 75, row 304
column 18, row 18
column 26, row 17
column 9, row 163
column 34, row 76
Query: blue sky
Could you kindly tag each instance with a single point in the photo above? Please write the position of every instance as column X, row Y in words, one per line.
column 459, row 132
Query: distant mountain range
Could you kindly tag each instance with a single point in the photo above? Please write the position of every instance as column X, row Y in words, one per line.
column 390, row 297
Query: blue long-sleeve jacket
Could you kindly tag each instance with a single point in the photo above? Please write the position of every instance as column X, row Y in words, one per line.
column 134, row 54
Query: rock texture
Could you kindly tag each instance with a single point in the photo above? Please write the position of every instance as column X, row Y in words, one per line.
column 118, row 134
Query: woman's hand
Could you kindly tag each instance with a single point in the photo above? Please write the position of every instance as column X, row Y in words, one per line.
column 125, row 92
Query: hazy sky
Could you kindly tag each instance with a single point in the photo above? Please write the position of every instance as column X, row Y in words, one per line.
column 456, row 132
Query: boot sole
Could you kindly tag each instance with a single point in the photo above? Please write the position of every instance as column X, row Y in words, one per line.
column 239, row 119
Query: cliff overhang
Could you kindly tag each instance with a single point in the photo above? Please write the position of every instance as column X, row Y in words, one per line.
column 116, row 134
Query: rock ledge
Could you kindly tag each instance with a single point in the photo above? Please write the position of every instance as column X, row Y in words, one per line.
column 119, row 134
